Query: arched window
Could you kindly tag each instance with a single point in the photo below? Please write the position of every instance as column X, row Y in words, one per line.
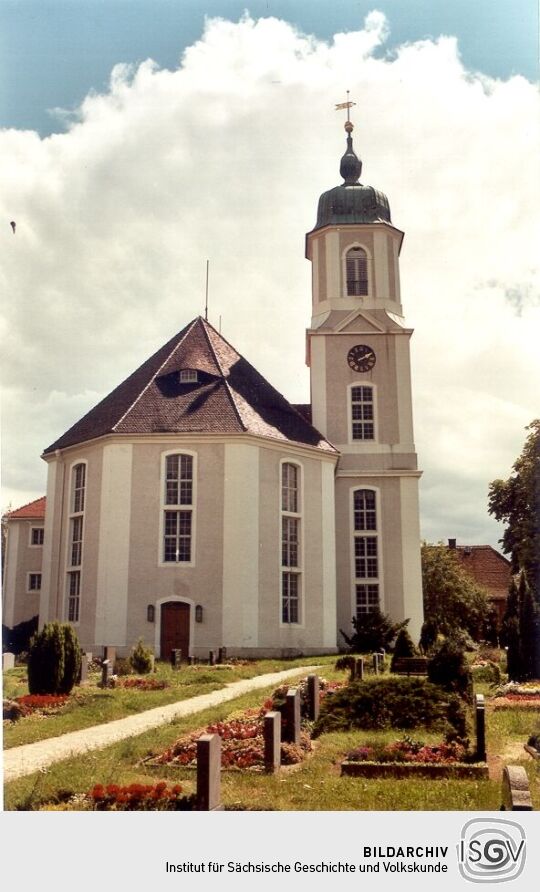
column 75, row 544
column 366, row 551
column 178, row 521
column 290, row 543
column 356, row 272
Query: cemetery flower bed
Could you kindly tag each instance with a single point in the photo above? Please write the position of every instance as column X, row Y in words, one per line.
column 277, row 700
column 513, row 694
column 406, row 757
column 242, row 745
column 31, row 704
column 140, row 797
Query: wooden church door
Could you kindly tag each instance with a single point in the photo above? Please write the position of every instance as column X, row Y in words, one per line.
column 174, row 628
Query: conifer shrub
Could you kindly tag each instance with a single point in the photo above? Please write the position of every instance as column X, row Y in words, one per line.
column 392, row 703
column 404, row 647
column 372, row 632
column 448, row 668
column 141, row 658
column 54, row 659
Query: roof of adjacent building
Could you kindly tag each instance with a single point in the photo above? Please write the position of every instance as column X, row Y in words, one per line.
column 32, row 511
column 229, row 397
column 487, row 567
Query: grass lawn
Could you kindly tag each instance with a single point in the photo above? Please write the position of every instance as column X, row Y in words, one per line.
column 91, row 705
column 315, row 785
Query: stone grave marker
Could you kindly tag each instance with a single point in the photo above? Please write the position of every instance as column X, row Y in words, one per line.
column 8, row 661
column 292, row 716
column 360, row 668
column 176, row 657
column 209, row 773
column 375, row 660
column 84, row 668
column 211, row 658
column 222, row 655
column 191, row 661
column 313, row 687
column 272, row 742
column 480, row 715
column 106, row 672
column 516, row 795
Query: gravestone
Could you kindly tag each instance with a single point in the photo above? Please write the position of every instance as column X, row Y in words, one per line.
column 516, row 795
column 109, row 653
column 313, row 687
column 480, row 715
column 176, row 657
column 8, row 661
column 222, row 655
column 360, row 668
column 209, row 773
column 211, row 658
column 292, row 716
column 191, row 661
column 272, row 742
column 375, row 660
column 106, row 672
column 352, row 669
column 84, row 668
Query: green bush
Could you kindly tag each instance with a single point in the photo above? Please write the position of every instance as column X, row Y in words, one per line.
column 392, row 703
column 141, row 658
column 487, row 672
column 404, row 647
column 372, row 632
column 449, row 669
column 54, row 660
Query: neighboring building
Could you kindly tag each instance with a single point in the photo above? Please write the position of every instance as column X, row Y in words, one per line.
column 197, row 508
column 489, row 569
column 22, row 563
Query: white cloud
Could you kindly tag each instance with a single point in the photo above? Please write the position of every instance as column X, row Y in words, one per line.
column 224, row 158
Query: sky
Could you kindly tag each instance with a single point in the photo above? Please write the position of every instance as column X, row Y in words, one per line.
column 141, row 138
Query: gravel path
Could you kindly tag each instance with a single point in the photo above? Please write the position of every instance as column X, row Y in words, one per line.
column 21, row 760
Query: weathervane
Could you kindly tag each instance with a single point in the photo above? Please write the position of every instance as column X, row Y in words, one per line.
column 348, row 105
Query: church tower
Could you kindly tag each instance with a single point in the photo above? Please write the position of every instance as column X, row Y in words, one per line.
column 358, row 354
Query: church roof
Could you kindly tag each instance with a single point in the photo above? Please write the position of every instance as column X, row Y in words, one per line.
column 228, row 397
column 32, row 511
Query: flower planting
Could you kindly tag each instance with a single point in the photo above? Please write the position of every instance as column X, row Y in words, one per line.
column 408, row 750
column 525, row 695
column 242, row 745
column 140, row 797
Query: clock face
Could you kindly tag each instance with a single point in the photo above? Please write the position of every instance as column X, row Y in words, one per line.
column 361, row 358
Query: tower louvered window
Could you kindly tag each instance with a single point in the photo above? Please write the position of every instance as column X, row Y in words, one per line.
column 356, row 271
column 366, row 551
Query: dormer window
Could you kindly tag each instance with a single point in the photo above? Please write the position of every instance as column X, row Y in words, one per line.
column 356, row 267
column 188, row 376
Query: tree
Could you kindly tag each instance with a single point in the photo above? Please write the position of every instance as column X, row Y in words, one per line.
column 516, row 503
column 452, row 600
column 372, row 631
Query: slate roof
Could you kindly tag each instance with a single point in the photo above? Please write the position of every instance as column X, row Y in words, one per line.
column 229, row 397
column 33, row 511
column 487, row 567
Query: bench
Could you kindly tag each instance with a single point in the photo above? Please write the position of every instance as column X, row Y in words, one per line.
column 410, row 666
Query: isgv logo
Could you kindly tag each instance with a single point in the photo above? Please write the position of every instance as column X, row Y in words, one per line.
column 491, row 850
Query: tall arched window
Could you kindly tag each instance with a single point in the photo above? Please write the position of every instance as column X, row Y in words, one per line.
column 290, row 543
column 362, row 412
column 366, row 551
column 356, row 272
column 178, row 509
column 75, row 544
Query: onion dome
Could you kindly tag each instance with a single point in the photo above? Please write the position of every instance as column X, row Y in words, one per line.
column 352, row 202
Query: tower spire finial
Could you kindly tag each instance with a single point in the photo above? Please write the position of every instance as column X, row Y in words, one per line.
column 350, row 167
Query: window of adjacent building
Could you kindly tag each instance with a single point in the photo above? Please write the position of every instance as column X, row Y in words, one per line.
column 366, row 551
column 36, row 535
column 356, row 272
column 291, row 520
column 75, row 542
column 34, row 582
column 362, row 412
column 178, row 523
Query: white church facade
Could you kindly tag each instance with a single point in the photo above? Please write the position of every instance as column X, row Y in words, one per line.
column 196, row 508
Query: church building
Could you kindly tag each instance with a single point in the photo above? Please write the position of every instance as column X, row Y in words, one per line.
column 196, row 508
